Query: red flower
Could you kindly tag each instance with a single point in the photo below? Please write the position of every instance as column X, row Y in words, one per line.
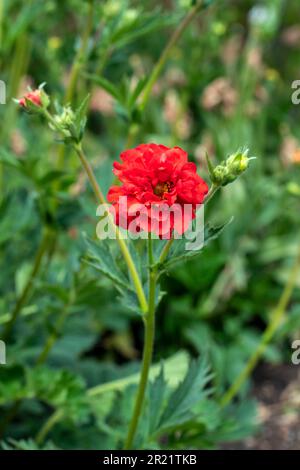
column 162, row 190
column 33, row 96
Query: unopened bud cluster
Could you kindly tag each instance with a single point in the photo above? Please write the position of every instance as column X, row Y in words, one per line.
column 227, row 171
column 63, row 121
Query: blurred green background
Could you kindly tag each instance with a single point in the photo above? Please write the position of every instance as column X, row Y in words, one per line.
column 227, row 84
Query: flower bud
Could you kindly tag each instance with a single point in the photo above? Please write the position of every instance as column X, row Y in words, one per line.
column 65, row 119
column 238, row 162
column 33, row 97
column 35, row 100
column 220, row 174
column 227, row 171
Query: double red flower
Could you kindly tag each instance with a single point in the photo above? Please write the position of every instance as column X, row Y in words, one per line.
column 155, row 178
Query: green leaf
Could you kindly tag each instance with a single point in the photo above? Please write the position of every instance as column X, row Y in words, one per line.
column 80, row 117
column 137, row 91
column 157, row 392
column 101, row 258
column 142, row 25
column 179, row 253
column 51, row 176
column 26, row 444
column 106, row 85
column 12, row 384
column 10, row 160
column 189, row 392
column 175, row 368
column 61, row 389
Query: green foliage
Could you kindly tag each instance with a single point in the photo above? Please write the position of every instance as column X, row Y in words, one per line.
column 81, row 302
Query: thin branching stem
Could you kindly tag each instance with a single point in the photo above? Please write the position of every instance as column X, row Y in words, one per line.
column 276, row 319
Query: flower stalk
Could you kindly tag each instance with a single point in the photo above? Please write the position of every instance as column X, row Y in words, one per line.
column 273, row 326
column 134, row 127
column 43, row 247
column 149, row 333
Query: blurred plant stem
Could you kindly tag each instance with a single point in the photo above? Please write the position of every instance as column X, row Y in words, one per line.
column 1, row 27
column 149, row 332
column 275, row 321
column 149, row 322
column 17, row 70
column 166, row 249
column 42, row 249
column 40, row 360
column 57, row 330
column 122, row 244
column 134, row 127
column 76, row 68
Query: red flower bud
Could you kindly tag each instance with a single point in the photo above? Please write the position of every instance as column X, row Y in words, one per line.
column 33, row 96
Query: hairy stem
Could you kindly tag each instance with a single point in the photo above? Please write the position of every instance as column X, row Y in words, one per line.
column 275, row 322
column 147, row 352
column 123, row 246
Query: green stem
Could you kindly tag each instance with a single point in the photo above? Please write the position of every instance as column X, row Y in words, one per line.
column 1, row 27
column 40, row 360
column 165, row 53
column 75, row 71
column 99, row 195
column 80, row 56
column 17, row 70
column 274, row 324
column 133, row 128
column 9, row 417
column 212, row 191
column 26, row 290
column 54, row 418
column 147, row 352
column 165, row 251
column 123, row 246
column 53, row 337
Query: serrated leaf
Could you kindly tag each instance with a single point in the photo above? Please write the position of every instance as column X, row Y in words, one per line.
column 26, row 444
column 179, row 253
column 102, row 259
column 157, row 393
column 189, row 392
column 175, row 368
